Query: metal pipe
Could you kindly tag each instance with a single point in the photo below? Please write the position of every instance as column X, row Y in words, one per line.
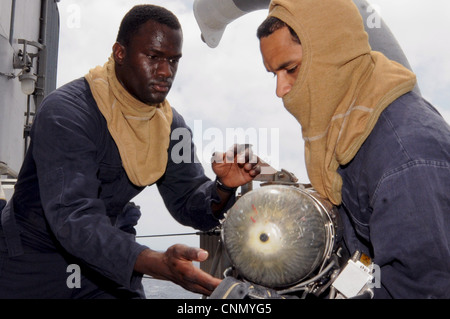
column 41, row 66
column 11, row 24
column 43, row 24
column 27, row 127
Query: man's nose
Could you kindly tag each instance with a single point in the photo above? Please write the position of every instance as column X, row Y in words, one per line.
column 283, row 86
column 164, row 69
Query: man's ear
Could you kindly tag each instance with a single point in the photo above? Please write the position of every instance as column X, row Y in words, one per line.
column 119, row 53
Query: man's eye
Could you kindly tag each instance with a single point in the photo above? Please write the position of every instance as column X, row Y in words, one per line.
column 292, row 70
column 171, row 61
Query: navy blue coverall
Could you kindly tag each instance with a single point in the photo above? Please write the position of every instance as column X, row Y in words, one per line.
column 71, row 205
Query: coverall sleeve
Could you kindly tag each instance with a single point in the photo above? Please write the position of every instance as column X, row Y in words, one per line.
column 410, row 231
column 187, row 192
column 65, row 155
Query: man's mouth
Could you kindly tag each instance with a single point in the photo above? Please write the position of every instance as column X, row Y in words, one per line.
column 162, row 87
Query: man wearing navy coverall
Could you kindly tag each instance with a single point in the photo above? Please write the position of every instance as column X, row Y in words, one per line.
column 374, row 148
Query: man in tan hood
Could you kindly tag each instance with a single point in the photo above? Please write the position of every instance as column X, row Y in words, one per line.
column 374, row 148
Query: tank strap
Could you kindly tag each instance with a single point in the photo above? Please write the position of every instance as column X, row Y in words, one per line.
column 232, row 288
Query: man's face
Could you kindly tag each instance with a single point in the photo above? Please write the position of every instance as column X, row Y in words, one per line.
column 147, row 66
column 283, row 57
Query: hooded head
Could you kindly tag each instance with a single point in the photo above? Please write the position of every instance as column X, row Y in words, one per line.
column 341, row 85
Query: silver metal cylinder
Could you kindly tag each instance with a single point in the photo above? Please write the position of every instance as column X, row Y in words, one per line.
column 277, row 235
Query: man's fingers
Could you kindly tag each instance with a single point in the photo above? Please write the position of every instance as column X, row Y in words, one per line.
column 204, row 283
column 202, row 255
column 253, row 170
column 217, row 157
column 207, row 291
column 238, row 153
column 181, row 251
column 195, row 279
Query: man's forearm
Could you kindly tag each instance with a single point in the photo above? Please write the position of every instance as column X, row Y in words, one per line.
column 225, row 196
column 151, row 263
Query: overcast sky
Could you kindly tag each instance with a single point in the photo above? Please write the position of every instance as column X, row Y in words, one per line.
column 227, row 88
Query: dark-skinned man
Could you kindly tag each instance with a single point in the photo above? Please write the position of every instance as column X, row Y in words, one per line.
column 95, row 144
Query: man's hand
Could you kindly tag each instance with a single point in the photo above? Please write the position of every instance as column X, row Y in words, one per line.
column 176, row 265
column 237, row 166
